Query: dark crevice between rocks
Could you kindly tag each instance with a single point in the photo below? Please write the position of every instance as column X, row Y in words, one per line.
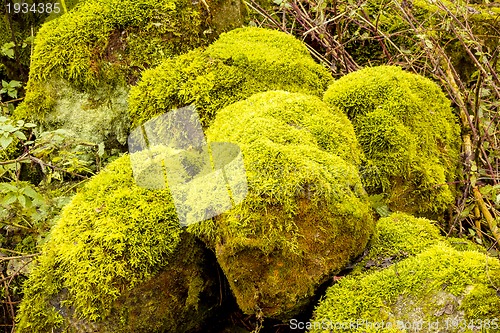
column 230, row 319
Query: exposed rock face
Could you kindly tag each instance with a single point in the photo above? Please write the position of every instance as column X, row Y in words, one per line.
column 306, row 214
column 85, row 61
column 118, row 261
column 240, row 63
column 409, row 134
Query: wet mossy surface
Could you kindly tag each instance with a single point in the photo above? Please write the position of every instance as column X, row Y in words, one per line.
column 408, row 133
column 306, row 214
column 118, row 261
column 240, row 63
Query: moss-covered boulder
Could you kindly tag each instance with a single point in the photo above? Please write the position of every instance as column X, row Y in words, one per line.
column 118, row 261
column 408, row 133
column 306, row 214
column 240, row 63
column 396, row 237
column 401, row 235
column 439, row 290
column 85, row 61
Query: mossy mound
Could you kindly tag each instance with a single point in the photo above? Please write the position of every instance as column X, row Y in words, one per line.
column 240, row 63
column 84, row 61
column 117, row 261
column 438, row 290
column 399, row 236
column 289, row 119
column 408, row 133
column 306, row 214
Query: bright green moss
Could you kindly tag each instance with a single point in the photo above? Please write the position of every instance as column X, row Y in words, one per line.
column 112, row 241
column 84, row 62
column 437, row 286
column 290, row 118
column 240, row 63
column 408, row 132
column 80, row 45
column 306, row 214
column 396, row 237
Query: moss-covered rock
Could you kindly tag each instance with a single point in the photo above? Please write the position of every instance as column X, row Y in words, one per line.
column 396, row 237
column 306, row 214
column 84, row 61
column 118, row 261
column 438, row 290
column 401, row 235
column 409, row 135
column 240, row 63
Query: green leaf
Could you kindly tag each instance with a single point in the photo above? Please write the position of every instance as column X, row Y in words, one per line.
column 6, row 187
column 8, row 128
column 383, row 211
column 466, row 211
column 100, row 150
column 15, row 84
column 12, row 93
column 7, row 49
column 9, row 199
column 20, row 135
column 9, row 53
column 22, row 200
column 5, row 141
column 29, row 191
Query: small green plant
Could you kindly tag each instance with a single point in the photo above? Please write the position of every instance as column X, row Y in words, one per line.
column 7, row 50
column 10, row 88
column 38, row 173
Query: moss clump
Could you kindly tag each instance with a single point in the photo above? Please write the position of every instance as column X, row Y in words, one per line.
column 113, row 242
column 100, row 47
column 408, row 132
column 401, row 235
column 396, row 237
column 290, row 119
column 240, row 63
column 306, row 214
column 435, row 289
